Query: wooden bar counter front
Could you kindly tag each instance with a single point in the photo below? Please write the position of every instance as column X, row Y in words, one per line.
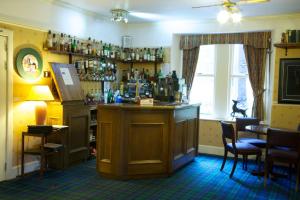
column 145, row 141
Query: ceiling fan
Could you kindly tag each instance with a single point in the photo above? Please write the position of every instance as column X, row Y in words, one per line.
column 121, row 15
column 231, row 9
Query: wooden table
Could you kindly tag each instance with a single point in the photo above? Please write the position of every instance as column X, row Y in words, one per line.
column 45, row 149
column 259, row 129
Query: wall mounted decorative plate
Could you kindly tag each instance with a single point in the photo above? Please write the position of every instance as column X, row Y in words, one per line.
column 29, row 64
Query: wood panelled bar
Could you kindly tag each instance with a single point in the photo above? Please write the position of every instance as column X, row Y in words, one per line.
column 145, row 141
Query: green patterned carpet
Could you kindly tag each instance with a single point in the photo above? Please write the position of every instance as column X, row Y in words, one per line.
column 201, row 179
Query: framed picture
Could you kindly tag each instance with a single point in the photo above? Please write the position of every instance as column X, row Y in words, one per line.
column 29, row 64
column 289, row 81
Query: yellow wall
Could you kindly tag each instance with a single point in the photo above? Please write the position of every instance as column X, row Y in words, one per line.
column 284, row 115
column 210, row 133
column 23, row 112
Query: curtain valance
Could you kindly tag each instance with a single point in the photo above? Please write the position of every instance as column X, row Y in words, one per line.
column 255, row 39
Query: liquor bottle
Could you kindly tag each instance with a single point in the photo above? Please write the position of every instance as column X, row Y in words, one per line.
column 73, row 46
column 141, row 55
column 137, row 55
column 65, row 43
column 113, row 51
column 78, row 50
column 145, row 54
column 152, row 55
column 132, row 54
column 156, row 54
column 93, row 46
column 109, row 50
column 89, row 46
column 122, row 57
column 49, row 40
column 161, row 54
column 61, row 42
column 54, row 41
column 148, row 54
column 69, row 43
column 100, row 48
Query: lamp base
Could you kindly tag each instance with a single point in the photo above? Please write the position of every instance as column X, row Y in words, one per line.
column 40, row 113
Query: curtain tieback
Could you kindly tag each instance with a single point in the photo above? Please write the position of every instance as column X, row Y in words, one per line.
column 259, row 93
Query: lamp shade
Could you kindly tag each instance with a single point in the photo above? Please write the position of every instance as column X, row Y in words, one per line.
column 40, row 93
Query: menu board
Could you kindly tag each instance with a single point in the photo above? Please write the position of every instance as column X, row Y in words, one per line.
column 66, row 82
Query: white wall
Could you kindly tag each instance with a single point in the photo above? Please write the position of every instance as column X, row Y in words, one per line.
column 44, row 15
column 166, row 33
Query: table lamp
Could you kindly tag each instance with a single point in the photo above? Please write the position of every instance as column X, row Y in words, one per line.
column 40, row 94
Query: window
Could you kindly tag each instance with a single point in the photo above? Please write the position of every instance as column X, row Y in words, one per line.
column 221, row 76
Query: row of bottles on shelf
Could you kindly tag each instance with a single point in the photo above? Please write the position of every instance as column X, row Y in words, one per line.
column 63, row 43
column 94, row 96
column 96, row 70
column 135, row 74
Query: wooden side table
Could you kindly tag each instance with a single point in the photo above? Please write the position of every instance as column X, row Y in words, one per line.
column 46, row 148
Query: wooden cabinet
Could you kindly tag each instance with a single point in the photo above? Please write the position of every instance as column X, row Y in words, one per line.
column 185, row 136
column 136, row 141
column 70, row 110
column 76, row 116
column 92, row 130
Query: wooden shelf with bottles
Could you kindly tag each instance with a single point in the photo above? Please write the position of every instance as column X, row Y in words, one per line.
column 132, row 62
column 88, row 56
column 287, row 46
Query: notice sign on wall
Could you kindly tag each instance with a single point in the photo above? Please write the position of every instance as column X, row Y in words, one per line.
column 65, row 73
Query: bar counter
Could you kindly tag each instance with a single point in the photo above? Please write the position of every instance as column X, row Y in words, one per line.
column 145, row 141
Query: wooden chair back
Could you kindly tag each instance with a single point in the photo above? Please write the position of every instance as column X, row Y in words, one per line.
column 228, row 133
column 241, row 123
column 283, row 138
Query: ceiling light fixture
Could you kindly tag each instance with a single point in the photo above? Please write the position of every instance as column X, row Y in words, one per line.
column 119, row 15
column 229, row 13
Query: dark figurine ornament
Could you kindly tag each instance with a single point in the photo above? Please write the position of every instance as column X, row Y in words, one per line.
column 235, row 109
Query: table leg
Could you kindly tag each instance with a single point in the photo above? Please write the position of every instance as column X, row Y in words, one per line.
column 22, row 159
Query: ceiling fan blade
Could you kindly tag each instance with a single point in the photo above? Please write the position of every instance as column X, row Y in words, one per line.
column 206, row 6
column 242, row 2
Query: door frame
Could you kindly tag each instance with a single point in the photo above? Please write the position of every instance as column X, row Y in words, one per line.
column 8, row 149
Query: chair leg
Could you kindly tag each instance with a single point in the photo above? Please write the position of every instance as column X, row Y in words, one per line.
column 224, row 159
column 266, row 172
column 246, row 163
column 234, row 165
column 297, row 176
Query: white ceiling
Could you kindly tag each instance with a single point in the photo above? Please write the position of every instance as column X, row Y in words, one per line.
column 162, row 10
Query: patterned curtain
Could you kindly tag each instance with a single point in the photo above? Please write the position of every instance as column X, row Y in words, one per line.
column 256, row 62
column 190, row 59
column 255, row 47
column 255, row 39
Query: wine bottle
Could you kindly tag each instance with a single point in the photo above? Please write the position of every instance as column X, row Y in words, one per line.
column 49, row 40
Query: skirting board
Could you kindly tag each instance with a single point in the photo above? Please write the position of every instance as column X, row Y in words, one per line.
column 219, row 151
column 29, row 167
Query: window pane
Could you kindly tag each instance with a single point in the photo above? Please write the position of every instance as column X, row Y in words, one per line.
column 203, row 91
column 239, row 61
column 206, row 60
column 241, row 90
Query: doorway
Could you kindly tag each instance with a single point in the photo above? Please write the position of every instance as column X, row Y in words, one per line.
column 5, row 104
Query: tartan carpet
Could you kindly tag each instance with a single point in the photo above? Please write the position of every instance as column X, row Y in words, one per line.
column 202, row 179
